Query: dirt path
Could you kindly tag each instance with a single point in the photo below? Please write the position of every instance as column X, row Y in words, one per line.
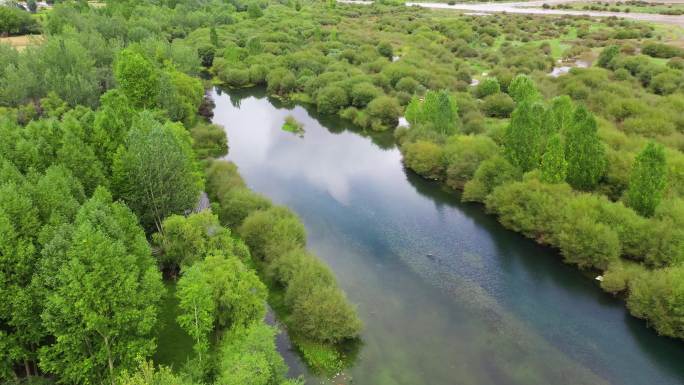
column 534, row 8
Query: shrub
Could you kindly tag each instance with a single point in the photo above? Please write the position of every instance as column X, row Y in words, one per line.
column 463, row 155
column 236, row 204
column 661, row 50
column 222, row 176
column 331, row 99
column 491, row 173
column 498, row 105
column 407, row 84
column 325, row 315
column 209, row 140
column 657, row 296
column 587, row 243
column 363, row 93
column 384, row 111
column 488, row 86
column 425, row 158
column 531, row 207
column 272, row 233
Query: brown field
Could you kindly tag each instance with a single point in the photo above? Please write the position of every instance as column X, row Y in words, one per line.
column 21, row 42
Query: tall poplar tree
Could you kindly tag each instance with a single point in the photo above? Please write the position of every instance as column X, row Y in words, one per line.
column 584, row 151
column 648, row 180
column 554, row 167
column 523, row 136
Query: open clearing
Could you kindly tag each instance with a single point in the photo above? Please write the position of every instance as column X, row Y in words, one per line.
column 21, row 42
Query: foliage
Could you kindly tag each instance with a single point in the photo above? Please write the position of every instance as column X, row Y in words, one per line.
column 209, row 141
column 491, row 173
column 87, row 302
column 584, row 151
column 425, row 158
column 186, row 240
column 522, row 89
column 155, row 173
column 554, row 167
column 522, row 140
column 647, row 182
column 137, row 78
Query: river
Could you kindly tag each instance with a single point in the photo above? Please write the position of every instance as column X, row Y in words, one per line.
column 447, row 295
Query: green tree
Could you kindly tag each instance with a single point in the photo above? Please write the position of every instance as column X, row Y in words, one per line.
column 648, row 180
column 522, row 89
column 186, row 240
column 137, row 77
column 384, row 112
column 197, row 308
column 238, row 294
column 440, row 110
column 554, row 167
column 558, row 116
column 522, row 138
column 413, row 113
column 155, row 172
column 248, row 356
column 425, row 158
column 584, row 151
column 103, row 303
column 21, row 330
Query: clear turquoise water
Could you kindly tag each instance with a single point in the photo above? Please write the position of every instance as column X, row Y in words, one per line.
column 447, row 295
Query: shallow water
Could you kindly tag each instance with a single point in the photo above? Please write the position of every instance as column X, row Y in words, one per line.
column 447, row 295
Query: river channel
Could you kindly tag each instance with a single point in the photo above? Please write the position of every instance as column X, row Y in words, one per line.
column 447, row 295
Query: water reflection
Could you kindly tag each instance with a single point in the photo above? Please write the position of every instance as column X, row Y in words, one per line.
column 447, row 295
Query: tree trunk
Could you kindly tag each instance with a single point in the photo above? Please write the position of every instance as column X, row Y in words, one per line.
column 27, row 367
column 109, row 360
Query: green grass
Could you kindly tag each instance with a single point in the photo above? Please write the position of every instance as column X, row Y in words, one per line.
column 174, row 345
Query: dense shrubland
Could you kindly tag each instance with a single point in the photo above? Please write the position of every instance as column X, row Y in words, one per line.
column 589, row 162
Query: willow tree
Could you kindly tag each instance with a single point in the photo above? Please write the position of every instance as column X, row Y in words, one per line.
column 584, row 151
column 648, row 180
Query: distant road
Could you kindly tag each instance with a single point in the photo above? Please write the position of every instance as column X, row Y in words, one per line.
column 534, row 8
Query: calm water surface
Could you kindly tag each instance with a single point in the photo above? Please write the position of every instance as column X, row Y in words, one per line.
column 447, row 295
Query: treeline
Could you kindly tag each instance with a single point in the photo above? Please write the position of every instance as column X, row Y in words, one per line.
column 303, row 291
